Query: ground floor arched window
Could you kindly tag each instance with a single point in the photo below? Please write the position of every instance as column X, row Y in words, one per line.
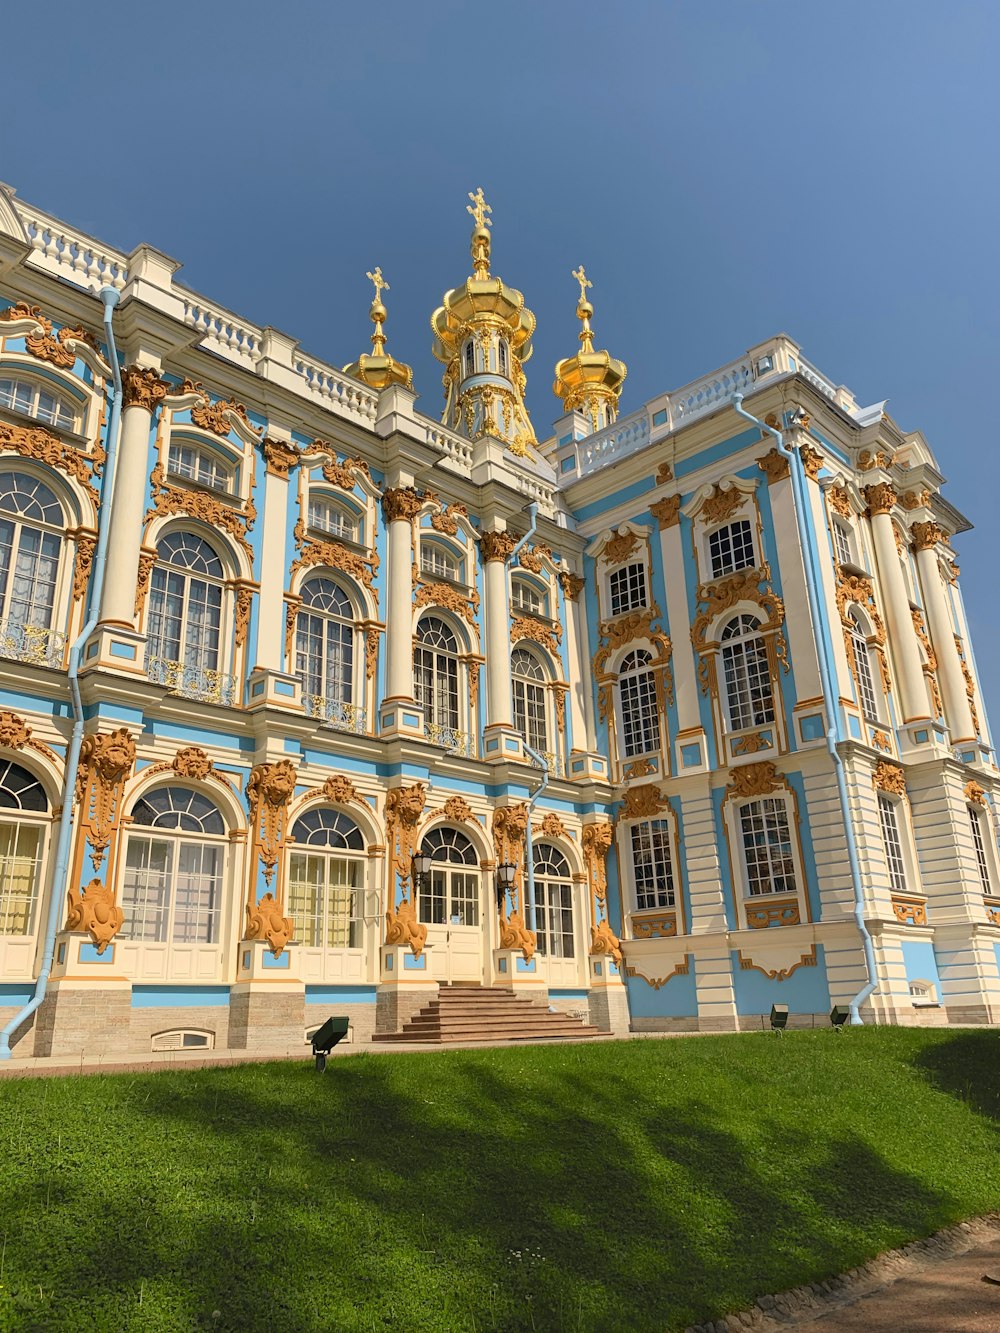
column 326, row 880
column 554, row 925
column 22, row 800
column 451, row 892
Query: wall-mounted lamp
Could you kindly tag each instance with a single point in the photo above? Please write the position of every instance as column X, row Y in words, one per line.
column 506, row 874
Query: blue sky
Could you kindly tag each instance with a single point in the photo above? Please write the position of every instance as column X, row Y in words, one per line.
column 724, row 170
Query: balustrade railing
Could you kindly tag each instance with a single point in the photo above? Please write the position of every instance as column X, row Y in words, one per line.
column 193, row 682
column 335, row 387
column 32, row 643
column 449, row 442
column 70, row 254
column 335, row 713
column 222, row 331
column 557, row 767
column 453, row 740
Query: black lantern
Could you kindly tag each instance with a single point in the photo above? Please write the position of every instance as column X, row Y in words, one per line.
column 506, row 874
column 421, row 867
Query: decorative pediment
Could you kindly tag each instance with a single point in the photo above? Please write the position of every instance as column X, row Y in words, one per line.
column 720, row 501
column 616, row 545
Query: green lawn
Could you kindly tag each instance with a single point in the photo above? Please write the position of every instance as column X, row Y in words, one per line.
column 634, row 1185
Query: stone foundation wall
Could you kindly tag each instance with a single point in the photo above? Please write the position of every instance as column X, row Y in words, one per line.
column 22, row 1042
column 147, row 1023
column 361, row 1017
column 87, row 1022
column 394, row 1007
column 609, row 1011
column 270, row 1021
column 661, row 1023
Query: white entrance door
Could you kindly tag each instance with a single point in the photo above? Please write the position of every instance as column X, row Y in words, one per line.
column 450, row 904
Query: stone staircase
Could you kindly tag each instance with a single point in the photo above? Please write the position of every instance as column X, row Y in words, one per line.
column 488, row 1014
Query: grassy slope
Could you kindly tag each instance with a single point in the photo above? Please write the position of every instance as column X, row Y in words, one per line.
column 639, row 1185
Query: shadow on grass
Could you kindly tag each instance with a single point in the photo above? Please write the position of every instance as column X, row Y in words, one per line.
column 966, row 1066
column 446, row 1197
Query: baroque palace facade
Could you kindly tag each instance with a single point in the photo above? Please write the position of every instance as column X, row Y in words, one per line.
column 373, row 703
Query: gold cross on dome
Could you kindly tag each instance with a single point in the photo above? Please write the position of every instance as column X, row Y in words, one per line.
column 380, row 283
column 583, row 280
column 479, row 209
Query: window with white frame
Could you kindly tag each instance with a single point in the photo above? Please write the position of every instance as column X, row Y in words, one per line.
column 640, row 714
column 326, row 877
column 731, row 548
column 175, row 857
column 553, row 902
column 470, row 358
column 184, row 625
column 976, row 818
column 892, row 842
column 766, row 840
column 528, row 679
column 864, row 679
column 746, row 673
column 842, row 543
column 436, row 559
column 23, row 806
column 526, row 598
column 452, row 887
column 324, row 645
column 333, row 519
column 31, row 528
column 652, row 865
column 627, row 587
column 435, row 673
column 923, row 993
column 203, row 466
column 32, row 400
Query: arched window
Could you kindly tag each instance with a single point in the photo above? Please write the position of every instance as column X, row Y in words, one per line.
column 31, row 528
column 553, row 902
column 203, row 466
column 525, row 598
column 867, row 697
column 639, row 710
column 21, row 843
column 174, row 864
column 502, row 356
column 331, row 518
column 435, row 671
column 324, row 652
column 185, row 619
column 28, row 397
column 436, row 559
column 528, row 685
column 326, row 876
column 452, row 888
column 470, row 358
column 747, row 675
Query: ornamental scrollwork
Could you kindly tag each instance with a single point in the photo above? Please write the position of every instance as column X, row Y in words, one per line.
column 840, row 501
column 889, row 777
column 457, row 809
column 340, row 789
column 723, row 503
column 603, row 940
column 142, row 386
column 531, row 558
column 778, row 973
column 973, row 792
column 510, row 825
column 748, row 585
column 192, row 763
column 174, row 500
column 926, row 536
column 623, row 630
column 547, row 636
column 269, row 789
column 402, row 927
column 446, row 520
column 880, row 498
column 43, row 345
column 266, row 921
column 244, row 601
column 759, row 779
column 15, row 734
column 515, row 935
column 403, row 808
column 40, row 444
column 619, row 547
column 105, row 763
column 94, row 910
column 597, row 839
column 496, row 546
column 915, row 499
column 571, row 584
column 338, row 556
column 812, row 461
column 448, row 597
column 775, row 466
column 667, row 511
column 280, row 457
column 215, row 416
column 401, row 503
column 86, row 545
column 643, row 802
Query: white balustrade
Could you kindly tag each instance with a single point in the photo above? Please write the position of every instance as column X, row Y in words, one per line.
column 337, row 389
column 221, row 332
column 711, row 392
column 70, row 255
column 451, row 443
column 817, row 380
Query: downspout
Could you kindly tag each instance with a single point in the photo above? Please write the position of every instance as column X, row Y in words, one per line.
column 834, row 734
column 110, row 298
column 539, row 759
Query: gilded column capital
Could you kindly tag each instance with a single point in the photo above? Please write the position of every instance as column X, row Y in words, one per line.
column 402, row 502
column 667, row 511
column 880, row 498
column 143, row 387
column 572, row 584
column 926, row 535
column 497, row 546
column 280, row 457
column 775, row 466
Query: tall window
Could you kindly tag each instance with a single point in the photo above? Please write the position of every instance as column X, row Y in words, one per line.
column 628, row 589
column 528, row 684
column 185, row 615
column 652, row 867
column 502, row 356
column 434, row 559
column 173, row 885
column 976, row 820
column 31, row 527
column 747, row 675
column 451, row 894
column 841, row 543
column 731, row 548
column 20, row 847
column 640, row 713
column 324, row 649
column 435, row 671
column 553, row 902
column 330, row 518
column 470, row 358
column 33, row 401
column 863, row 670
column 203, row 466
column 326, row 876
column 893, row 845
column 767, row 847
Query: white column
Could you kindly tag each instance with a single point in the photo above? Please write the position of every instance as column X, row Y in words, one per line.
column 400, row 506
column 496, row 548
column 678, row 617
column 896, row 600
column 957, row 712
column 143, row 391
column 280, row 456
column 581, row 699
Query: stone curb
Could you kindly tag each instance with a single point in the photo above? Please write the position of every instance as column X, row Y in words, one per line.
column 801, row 1305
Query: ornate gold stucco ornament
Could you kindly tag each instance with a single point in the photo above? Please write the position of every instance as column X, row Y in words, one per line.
column 169, row 499
column 402, row 927
column 547, row 636
column 450, row 598
column 974, row 792
column 571, row 584
column 889, row 777
column 94, row 910
column 643, row 802
column 457, row 809
column 403, row 808
column 40, row 444
column 759, row 779
column 57, row 350
column 105, row 763
column 15, row 734
column 269, row 789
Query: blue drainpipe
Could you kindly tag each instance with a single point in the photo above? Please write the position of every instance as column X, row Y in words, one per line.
column 110, row 298
column 834, row 733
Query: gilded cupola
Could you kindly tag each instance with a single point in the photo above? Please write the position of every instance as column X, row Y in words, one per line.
column 591, row 381
column 377, row 368
column 482, row 336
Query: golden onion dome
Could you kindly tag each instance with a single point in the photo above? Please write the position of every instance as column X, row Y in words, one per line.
column 589, row 381
column 377, row 368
